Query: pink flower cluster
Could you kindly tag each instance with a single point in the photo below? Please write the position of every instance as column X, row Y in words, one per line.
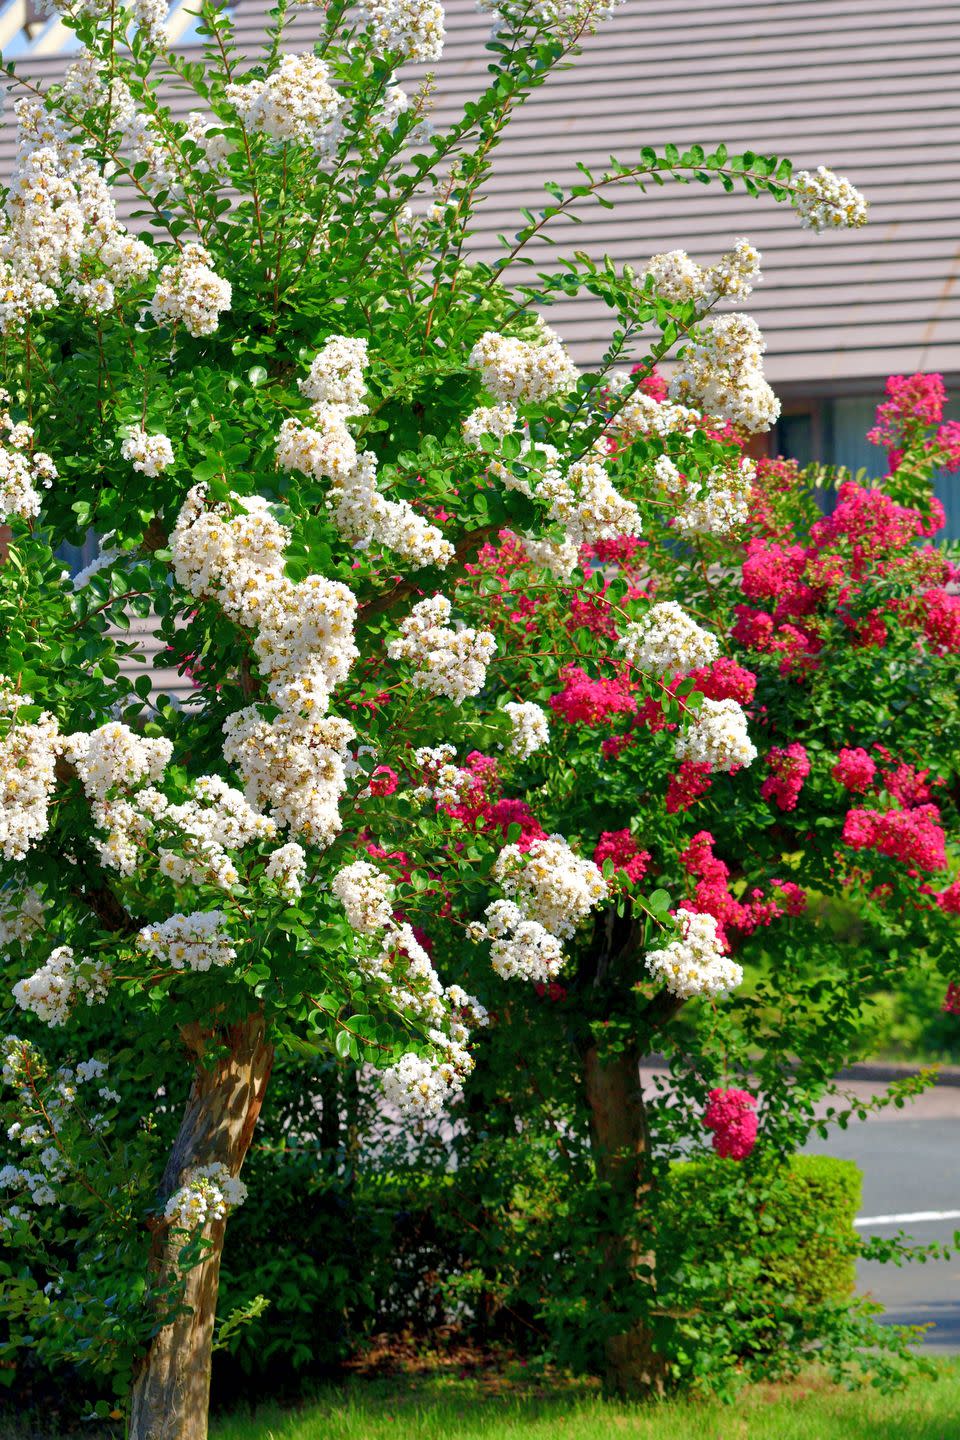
column 724, row 679
column 790, row 767
column 485, row 808
column 940, row 619
column 914, row 837
column 914, row 403
column 951, row 1001
column 731, row 1115
column 854, row 770
column 620, row 847
column 949, row 899
column 712, row 894
column 868, row 535
column 590, row 701
column 685, row 787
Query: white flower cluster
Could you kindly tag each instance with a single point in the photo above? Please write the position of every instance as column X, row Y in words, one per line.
column 418, row 1085
column 21, row 916
column 365, row 894
column 721, row 372
column 205, row 133
column 495, row 420
column 524, row 370
column 189, row 291
column 89, row 84
column 295, row 767
column 336, row 375
column 151, row 454
column 665, row 641
column 22, row 474
column 208, row 1193
column 326, row 450
column 531, row 729
column 550, row 883
column 825, row 201
column 448, row 662
column 219, row 818
column 413, row 28
column 521, row 948
column 193, row 942
column 583, row 501
column 549, row 890
column 694, row 964
column 59, row 225
column 677, row 278
column 639, row 415
column 440, row 779
column 51, row 991
column 150, row 18
column 28, row 756
column 24, row 1070
column 559, row 557
column 115, row 756
column 286, row 868
column 589, row 507
column 717, row 736
column 579, row 16
column 303, row 641
column 297, row 102
column 715, row 504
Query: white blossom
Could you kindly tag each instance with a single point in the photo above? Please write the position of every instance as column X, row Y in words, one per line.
column 721, row 372
column 694, row 964
column 550, row 883
column 414, row 28
column 286, row 868
column 826, row 201
column 190, row 292
column 296, row 102
column 150, row 454
column 28, row 755
column 447, row 662
column 24, row 472
column 531, row 729
column 665, row 640
column 192, row 942
column 523, row 370
column 50, row 991
column 717, row 736
column 365, row 894
column 209, row 1192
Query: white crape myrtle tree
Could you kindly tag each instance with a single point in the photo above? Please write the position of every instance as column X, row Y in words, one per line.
column 292, row 410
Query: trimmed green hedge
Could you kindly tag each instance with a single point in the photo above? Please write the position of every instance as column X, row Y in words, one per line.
column 764, row 1254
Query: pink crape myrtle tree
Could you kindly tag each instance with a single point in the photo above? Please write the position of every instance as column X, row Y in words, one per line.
column 297, row 417
column 755, row 733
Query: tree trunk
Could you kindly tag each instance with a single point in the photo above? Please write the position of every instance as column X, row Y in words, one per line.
column 171, row 1388
column 621, row 1144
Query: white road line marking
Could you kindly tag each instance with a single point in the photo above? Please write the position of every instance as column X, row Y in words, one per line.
column 909, row 1218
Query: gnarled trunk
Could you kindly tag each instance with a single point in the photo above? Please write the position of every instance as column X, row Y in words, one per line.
column 171, row 1389
column 621, row 1143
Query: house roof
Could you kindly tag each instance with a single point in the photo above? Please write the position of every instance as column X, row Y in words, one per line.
column 868, row 88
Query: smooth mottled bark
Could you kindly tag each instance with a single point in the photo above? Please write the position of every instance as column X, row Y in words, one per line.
column 171, row 1389
column 621, row 1144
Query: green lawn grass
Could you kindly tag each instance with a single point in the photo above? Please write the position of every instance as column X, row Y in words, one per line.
column 452, row 1409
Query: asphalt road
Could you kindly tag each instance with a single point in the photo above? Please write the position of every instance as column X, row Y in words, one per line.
column 911, row 1166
